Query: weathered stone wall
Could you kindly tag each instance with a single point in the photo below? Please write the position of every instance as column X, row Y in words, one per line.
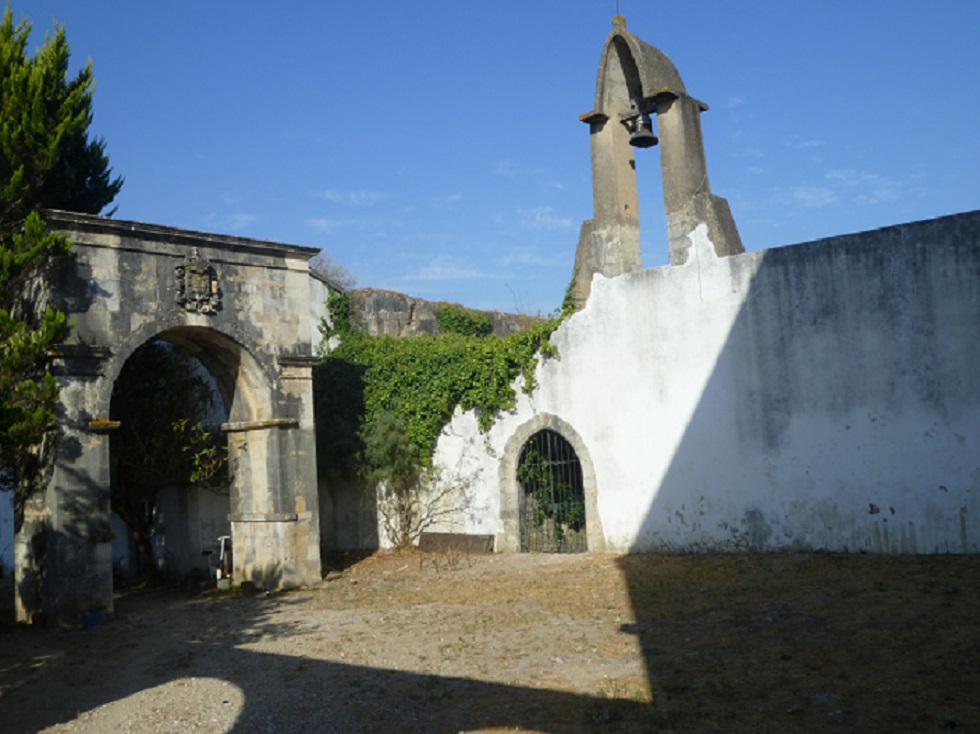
column 395, row 314
column 824, row 396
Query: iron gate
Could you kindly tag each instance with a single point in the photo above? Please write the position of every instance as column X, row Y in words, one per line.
column 551, row 497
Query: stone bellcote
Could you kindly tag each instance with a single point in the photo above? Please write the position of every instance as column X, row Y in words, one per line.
column 636, row 85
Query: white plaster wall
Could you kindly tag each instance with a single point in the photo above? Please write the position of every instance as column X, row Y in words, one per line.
column 187, row 524
column 823, row 396
column 315, row 303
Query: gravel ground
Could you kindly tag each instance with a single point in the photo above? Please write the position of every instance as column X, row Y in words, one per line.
column 525, row 643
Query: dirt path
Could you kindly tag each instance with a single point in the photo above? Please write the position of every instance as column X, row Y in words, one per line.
column 529, row 643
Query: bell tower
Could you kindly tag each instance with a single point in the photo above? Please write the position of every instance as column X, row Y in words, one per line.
column 636, row 85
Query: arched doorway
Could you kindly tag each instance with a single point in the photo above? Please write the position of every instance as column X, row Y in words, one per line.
column 562, row 455
column 170, row 488
column 552, row 496
column 269, row 525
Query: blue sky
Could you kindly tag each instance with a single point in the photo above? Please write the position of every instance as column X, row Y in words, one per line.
column 434, row 147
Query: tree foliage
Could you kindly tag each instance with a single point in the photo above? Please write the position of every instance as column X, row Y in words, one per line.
column 335, row 273
column 47, row 161
column 28, row 389
column 47, row 158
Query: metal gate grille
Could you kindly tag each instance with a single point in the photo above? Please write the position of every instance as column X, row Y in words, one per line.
column 552, row 499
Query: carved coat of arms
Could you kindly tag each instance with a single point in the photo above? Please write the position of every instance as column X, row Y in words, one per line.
column 197, row 284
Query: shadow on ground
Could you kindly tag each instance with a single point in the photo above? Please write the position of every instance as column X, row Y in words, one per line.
column 782, row 643
column 138, row 652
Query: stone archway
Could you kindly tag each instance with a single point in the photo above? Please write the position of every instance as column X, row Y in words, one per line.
column 254, row 434
column 510, row 539
column 248, row 310
column 166, row 524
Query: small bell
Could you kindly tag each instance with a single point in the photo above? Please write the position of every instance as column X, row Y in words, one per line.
column 642, row 136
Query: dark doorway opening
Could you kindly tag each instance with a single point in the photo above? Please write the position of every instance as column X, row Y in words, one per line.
column 551, row 496
column 170, row 491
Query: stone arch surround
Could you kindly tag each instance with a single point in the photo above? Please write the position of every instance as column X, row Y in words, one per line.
column 244, row 381
column 245, row 388
column 248, row 310
column 510, row 539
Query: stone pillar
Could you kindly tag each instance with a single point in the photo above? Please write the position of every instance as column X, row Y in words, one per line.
column 299, row 467
column 687, row 192
column 609, row 243
column 682, row 159
column 33, row 537
column 63, row 548
column 275, row 520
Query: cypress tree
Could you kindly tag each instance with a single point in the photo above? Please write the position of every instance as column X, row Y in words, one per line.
column 47, row 161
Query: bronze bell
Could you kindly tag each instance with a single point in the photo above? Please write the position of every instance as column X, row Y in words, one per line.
column 643, row 136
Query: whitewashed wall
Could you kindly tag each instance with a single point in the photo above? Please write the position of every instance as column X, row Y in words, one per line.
column 821, row 396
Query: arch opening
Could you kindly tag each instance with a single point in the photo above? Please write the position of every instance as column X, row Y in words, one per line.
column 552, row 496
column 170, row 490
column 547, row 427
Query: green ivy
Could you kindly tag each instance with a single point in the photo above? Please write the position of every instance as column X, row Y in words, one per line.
column 568, row 301
column 338, row 305
column 550, row 496
column 421, row 379
column 453, row 319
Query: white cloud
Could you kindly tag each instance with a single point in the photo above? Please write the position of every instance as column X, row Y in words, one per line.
column 541, row 176
column 795, row 141
column 529, row 258
column 845, row 175
column 878, row 196
column 240, row 221
column 230, row 222
column 505, row 168
column 324, row 224
column 446, row 269
column 867, row 188
column 852, row 177
column 543, row 217
column 361, row 224
column 352, row 198
column 814, row 196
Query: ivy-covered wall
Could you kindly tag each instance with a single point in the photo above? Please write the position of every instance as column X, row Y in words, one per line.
column 382, row 402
